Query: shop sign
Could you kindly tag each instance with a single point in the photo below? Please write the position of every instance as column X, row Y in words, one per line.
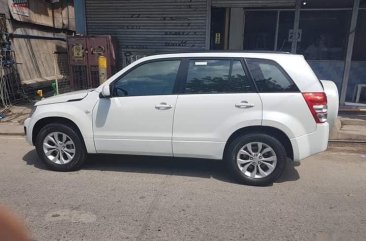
column 78, row 52
column 217, row 38
column 291, row 35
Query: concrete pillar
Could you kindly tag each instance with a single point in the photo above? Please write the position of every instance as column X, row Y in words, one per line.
column 236, row 32
column 80, row 19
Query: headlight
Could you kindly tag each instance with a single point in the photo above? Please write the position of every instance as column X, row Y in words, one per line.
column 32, row 111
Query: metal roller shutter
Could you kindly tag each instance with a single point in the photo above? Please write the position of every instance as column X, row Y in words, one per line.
column 253, row 3
column 143, row 27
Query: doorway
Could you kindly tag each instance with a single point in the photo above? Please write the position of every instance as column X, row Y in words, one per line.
column 227, row 28
column 219, row 28
column 242, row 29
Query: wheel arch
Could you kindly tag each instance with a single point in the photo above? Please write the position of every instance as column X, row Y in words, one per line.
column 48, row 120
column 274, row 132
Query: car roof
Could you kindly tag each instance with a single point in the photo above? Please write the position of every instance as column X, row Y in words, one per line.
column 294, row 64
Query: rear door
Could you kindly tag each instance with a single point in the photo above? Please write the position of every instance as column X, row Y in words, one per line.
column 218, row 98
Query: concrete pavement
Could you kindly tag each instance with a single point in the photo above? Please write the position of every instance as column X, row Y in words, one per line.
column 349, row 128
column 154, row 198
column 12, row 124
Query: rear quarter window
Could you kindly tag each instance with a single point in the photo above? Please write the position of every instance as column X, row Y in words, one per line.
column 269, row 76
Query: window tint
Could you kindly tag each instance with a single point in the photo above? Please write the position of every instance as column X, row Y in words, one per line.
column 217, row 76
column 156, row 78
column 269, row 77
column 239, row 81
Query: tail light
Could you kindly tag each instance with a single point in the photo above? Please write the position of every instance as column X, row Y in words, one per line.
column 317, row 102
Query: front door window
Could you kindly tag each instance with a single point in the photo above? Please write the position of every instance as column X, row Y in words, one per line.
column 155, row 78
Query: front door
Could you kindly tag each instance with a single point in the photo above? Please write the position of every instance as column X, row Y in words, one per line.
column 138, row 118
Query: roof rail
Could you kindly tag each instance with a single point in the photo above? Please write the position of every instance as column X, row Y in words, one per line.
column 224, row 51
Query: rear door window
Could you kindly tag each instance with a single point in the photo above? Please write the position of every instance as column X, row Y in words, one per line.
column 269, row 77
column 217, row 76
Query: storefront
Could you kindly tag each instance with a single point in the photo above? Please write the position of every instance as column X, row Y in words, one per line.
column 331, row 34
column 335, row 49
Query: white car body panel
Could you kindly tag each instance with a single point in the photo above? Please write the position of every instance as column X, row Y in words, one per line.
column 79, row 112
column 132, row 125
column 300, row 71
column 196, row 125
column 287, row 112
column 74, row 95
column 204, row 122
column 310, row 144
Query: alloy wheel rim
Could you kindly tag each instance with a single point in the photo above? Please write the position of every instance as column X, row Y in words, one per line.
column 256, row 160
column 59, row 148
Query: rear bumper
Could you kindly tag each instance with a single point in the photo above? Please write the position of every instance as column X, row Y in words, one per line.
column 310, row 144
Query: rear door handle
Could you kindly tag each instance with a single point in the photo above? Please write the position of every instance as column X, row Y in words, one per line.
column 244, row 105
column 163, row 106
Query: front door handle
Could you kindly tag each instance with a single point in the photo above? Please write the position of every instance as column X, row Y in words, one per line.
column 244, row 105
column 163, row 106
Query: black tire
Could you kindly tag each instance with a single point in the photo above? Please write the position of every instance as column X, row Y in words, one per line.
column 80, row 150
column 239, row 142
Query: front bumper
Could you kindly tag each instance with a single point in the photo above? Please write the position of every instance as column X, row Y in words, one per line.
column 28, row 131
column 310, row 144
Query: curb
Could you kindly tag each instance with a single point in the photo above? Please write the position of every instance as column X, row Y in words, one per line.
column 12, row 134
column 347, row 141
column 7, row 129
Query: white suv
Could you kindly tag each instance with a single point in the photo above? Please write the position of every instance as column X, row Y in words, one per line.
column 254, row 110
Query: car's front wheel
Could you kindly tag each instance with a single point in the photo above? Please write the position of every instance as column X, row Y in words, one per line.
column 60, row 147
column 256, row 159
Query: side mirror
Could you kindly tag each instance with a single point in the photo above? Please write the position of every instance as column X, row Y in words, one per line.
column 106, row 92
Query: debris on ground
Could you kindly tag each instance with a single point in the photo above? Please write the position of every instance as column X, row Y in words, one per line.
column 15, row 114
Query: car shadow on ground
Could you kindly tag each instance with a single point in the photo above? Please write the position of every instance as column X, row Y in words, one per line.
column 190, row 167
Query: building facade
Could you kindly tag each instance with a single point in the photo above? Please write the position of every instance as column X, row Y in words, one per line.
column 37, row 32
column 331, row 34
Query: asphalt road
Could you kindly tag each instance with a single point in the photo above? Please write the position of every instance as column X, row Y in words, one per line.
column 153, row 198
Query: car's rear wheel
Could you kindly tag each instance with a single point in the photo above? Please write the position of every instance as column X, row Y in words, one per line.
column 60, row 147
column 256, row 159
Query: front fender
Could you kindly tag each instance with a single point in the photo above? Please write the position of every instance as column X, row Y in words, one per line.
column 80, row 113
